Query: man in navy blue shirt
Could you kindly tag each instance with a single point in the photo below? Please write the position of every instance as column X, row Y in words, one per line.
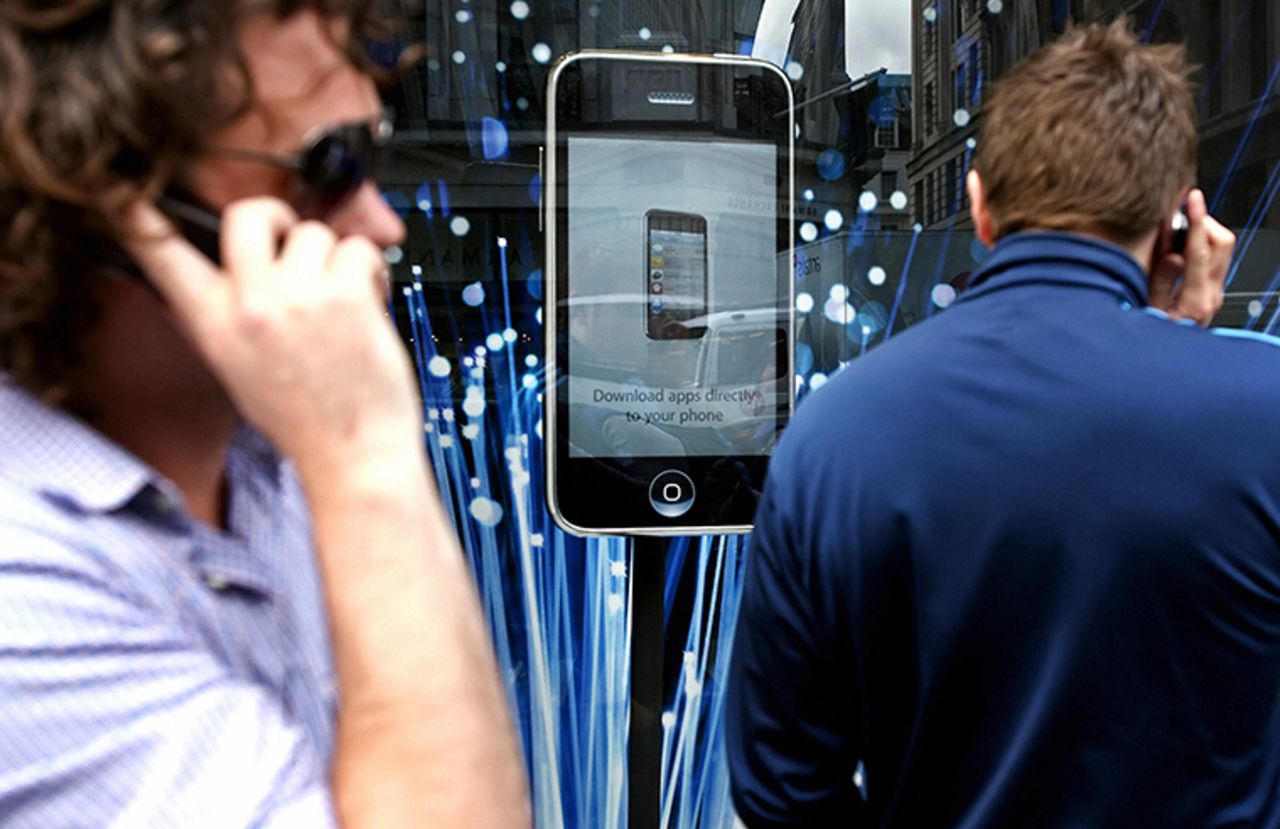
column 1021, row 565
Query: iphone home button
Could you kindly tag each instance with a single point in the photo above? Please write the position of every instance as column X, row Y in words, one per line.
column 671, row 494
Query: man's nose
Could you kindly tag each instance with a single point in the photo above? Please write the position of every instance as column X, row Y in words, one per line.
column 368, row 214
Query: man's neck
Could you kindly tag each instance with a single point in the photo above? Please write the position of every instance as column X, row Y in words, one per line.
column 191, row 451
column 142, row 386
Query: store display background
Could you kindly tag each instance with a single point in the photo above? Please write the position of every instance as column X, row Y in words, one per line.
column 559, row 606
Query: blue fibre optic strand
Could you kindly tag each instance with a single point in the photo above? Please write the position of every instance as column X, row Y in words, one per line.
column 1236, row 28
column 1149, row 27
column 1245, row 140
column 902, row 284
column 1256, row 217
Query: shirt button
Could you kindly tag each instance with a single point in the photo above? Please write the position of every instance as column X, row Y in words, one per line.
column 216, row 583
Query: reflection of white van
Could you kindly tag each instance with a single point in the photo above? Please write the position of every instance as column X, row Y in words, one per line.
column 741, row 348
column 734, row 348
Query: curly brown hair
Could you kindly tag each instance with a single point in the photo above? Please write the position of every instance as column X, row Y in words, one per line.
column 106, row 100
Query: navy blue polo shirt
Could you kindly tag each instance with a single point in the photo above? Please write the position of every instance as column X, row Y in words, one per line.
column 1020, row 567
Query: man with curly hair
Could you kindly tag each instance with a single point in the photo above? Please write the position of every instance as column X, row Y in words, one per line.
column 1040, row 587
column 229, row 595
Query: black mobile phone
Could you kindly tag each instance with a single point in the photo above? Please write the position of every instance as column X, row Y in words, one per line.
column 675, row 274
column 669, row 374
column 195, row 220
column 1179, row 227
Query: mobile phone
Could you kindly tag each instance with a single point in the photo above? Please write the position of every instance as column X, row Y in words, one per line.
column 1180, row 226
column 669, row 374
column 675, row 274
column 197, row 222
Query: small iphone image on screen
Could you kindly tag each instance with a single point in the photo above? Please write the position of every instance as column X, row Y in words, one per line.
column 675, row 271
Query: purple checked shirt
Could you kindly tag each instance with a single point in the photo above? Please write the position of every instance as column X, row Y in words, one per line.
column 155, row 671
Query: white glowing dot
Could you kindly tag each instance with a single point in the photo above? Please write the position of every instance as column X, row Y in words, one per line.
column 417, row 271
column 509, row 335
column 618, row 568
column 541, row 52
column 459, row 56
column 804, row 303
column 995, row 6
column 537, row 427
column 839, row 312
column 615, row 603
column 477, row 373
column 961, row 118
column 473, row 406
column 513, row 454
column 486, row 511
column 475, row 483
column 1255, row 308
column 519, row 10
column 462, row 16
column 667, row 48
column 839, row 292
column 795, row 71
column 536, row 540
column 531, row 360
column 930, row 14
column 972, row 143
column 467, row 361
column 537, row 315
column 668, row 719
column 943, row 295
column 529, row 382
column 393, row 255
column 808, row 231
column 644, row 33
column 917, row 227
column 494, row 341
column 522, row 103
column 438, row 366
column 867, row 201
column 876, row 275
column 898, row 201
column 407, row 291
column 447, row 414
column 459, row 226
column 446, row 441
column 833, row 220
column 428, row 427
column 434, row 413
column 817, row 381
column 471, row 431
column 501, row 66
column 502, row 241
column 808, row 195
column 424, row 205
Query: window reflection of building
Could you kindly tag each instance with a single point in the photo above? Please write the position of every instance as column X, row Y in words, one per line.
column 960, row 46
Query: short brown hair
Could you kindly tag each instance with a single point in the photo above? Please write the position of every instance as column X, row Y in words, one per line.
column 1093, row 133
column 96, row 94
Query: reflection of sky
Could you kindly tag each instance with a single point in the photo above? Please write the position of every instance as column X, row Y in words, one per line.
column 878, row 33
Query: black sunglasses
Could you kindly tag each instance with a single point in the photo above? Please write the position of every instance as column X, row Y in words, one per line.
column 331, row 166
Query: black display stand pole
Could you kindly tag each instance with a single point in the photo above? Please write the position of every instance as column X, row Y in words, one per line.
column 644, row 745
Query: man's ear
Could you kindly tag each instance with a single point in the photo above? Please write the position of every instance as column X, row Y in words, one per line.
column 984, row 226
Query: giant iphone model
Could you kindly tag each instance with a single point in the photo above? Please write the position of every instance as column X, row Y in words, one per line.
column 668, row 188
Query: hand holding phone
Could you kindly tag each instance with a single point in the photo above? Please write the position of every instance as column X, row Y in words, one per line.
column 293, row 326
column 1189, row 283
